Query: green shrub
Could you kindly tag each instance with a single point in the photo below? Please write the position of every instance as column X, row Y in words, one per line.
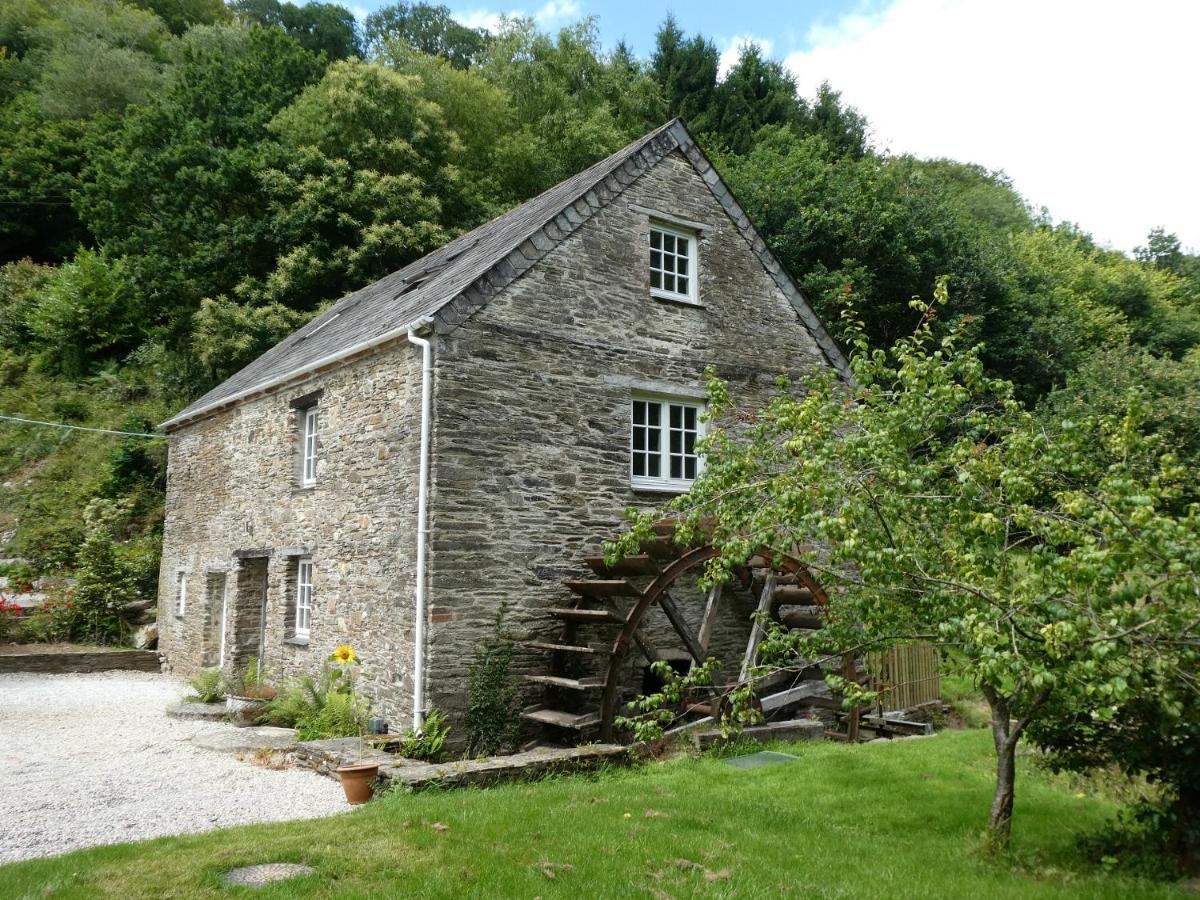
column 56, row 620
column 318, row 708
column 493, row 713
column 206, row 686
column 432, row 738
column 10, row 614
column 250, row 682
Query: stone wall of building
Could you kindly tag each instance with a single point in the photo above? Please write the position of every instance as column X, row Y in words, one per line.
column 532, row 434
column 235, row 508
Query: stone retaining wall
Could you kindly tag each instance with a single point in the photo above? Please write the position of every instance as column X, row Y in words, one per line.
column 97, row 661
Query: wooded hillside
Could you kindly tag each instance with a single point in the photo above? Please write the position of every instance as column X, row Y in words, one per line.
column 183, row 183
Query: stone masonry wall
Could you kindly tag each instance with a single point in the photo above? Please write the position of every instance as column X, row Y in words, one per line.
column 234, row 503
column 531, row 444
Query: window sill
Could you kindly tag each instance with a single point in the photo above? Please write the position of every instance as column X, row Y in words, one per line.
column 674, row 299
column 650, row 488
column 296, row 641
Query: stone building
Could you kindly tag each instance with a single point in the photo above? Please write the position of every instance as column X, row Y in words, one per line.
column 567, row 341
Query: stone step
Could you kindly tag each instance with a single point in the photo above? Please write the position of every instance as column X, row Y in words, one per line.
column 638, row 564
column 575, row 614
column 560, row 719
column 614, row 587
column 592, row 649
column 491, row 769
column 571, row 684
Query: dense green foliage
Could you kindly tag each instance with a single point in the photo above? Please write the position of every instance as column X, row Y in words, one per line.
column 1054, row 562
column 493, row 709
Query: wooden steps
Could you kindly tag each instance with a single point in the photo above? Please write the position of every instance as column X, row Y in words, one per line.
column 591, row 650
column 560, row 719
column 577, row 614
column 615, row 587
column 639, row 564
column 570, row 684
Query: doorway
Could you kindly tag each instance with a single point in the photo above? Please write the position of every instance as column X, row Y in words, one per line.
column 247, row 630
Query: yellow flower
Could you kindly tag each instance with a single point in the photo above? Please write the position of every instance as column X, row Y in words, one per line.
column 344, row 655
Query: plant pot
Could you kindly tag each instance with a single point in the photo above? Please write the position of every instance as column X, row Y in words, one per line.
column 244, row 711
column 357, row 781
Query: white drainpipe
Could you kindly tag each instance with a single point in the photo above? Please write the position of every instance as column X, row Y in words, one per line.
column 422, row 525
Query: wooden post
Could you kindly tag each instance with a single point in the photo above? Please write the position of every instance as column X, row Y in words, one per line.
column 710, row 616
column 756, row 629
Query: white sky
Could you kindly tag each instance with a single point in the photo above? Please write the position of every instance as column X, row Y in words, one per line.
column 1092, row 108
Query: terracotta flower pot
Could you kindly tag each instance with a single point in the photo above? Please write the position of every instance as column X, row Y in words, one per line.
column 357, row 781
column 244, row 711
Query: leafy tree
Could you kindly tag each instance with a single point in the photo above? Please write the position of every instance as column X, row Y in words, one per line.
column 843, row 127
column 320, row 27
column 180, row 15
column 429, row 29
column 686, row 72
column 1049, row 565
column 757, row 92
column 229, row 335
column 178, row 192
column 95, row 56
column 41, row 160
column 89, row 312
column 367, row 182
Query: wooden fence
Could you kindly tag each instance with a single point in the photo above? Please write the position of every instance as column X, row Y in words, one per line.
column 906, row 676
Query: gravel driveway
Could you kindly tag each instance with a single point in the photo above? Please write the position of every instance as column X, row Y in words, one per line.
column 93, row 759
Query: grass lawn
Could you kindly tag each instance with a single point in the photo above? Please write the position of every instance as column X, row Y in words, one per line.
column 879, row 820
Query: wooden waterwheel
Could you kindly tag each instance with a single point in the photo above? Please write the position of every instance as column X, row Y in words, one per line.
column 609, row 615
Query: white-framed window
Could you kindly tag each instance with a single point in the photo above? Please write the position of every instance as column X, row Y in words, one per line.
column 663, row 443
column 308, row 460
column 304, row 590
column 180, row 594
column 672, row 263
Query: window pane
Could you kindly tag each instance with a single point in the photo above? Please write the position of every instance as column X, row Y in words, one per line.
column 656, row 239
column 669, row 243
column 689, row 442
column 669, row 264
column 656, row 259
column 669, row 282
column 689, row 418
column 681, row 285
column 676, row 416
column 681, row 246
column 681, row 263
column 639, row 439
column 655, row 279
column 655, row 467
column 639, row 412
column 689, row 467
column 655, row 411
column 655, row 435
column 676, row 467
column 639, row 464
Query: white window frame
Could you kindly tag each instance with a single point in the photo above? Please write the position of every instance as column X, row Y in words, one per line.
column 691, row 295
column 663, row 481
column 308, row 447
column 180, row 593
column 304, row 594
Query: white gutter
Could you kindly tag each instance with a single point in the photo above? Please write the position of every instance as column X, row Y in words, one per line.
column 293, row 374
column 422, row 527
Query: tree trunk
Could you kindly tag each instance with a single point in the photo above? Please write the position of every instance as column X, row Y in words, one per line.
column 1004, row 737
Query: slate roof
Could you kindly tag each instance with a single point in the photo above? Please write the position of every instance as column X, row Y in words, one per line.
column 449, row 284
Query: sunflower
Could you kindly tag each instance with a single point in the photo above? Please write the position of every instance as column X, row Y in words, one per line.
column 344, row 655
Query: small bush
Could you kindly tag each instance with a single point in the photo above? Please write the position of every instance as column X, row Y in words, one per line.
column 430, row 742
column 493, row 713
column 207, row 686
column 10, row 614
column 318, row 708
column 341, row 715
column 250, row 682
column 56, row 620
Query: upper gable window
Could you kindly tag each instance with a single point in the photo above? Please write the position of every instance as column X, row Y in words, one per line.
column 672, row 263
column 308, row 447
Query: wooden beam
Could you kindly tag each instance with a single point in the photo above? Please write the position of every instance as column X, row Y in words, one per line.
column 756, row 629
column 710, row 616
column 681, row 627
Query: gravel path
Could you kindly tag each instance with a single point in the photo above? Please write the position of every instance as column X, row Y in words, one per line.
column 93, row 759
